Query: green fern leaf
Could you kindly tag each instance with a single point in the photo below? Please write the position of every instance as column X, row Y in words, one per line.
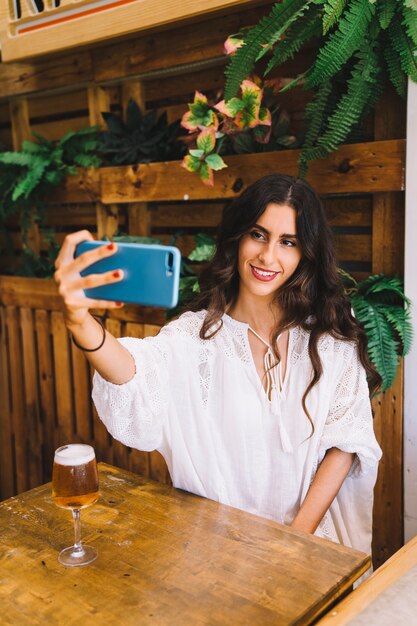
column 83, row 132
column 395, row 71
column 32, row 148
column 30, row 180
column 298, row 34
column 343, row 43
column 54, row 177
column 363, row 91
column 405, row 48
column 400, row 320
column 266, row 33
column 316, row 116
column 387, row 288
column 410, row 23
column 316, row 112
column 87, row 160
column 333, row 9
column 20, row 159
column 385, row 12
column 382, row 347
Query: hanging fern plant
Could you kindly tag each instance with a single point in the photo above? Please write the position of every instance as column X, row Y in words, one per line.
column 380, row 305
column 27, row 176
column 362, row 44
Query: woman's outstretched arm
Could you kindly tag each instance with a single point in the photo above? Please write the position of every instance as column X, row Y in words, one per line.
column 326, row 484
column 112, row 360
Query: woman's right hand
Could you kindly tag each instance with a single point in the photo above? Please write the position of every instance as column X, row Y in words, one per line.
column 71, row 284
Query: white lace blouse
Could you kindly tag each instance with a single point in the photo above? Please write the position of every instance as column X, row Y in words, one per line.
column 201, row 404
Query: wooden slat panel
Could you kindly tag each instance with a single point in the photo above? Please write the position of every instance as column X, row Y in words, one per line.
column 17, row 391
column 157, row 466
column 340, row 212
column 377, row 166
column 388, row 217
column 182, row 86
column 124, row 20
column 354, row 247
column 354, row 211
column 31, row 399
column 102, row 439
column 57, row 104
column 374, row 167
column 40, row 293
column 54, row 130
column 107, row 219
column 388, row 233
column 98, row 103
column 133, row 90
column 187, row 215
column 63, row 379
column 139, row 219
column 192, row 43
column 72, row 216
column 143, row 54
column 82, row 400
column 84, row 187
column 138, row 460
column 46, row 390
column 388, row 507
column 7, row 474
column 46, row 74
column 6, row 137
column 19, row 117
column 120, row 454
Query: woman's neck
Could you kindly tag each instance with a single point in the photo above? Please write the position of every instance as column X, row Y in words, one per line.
column 259, row 315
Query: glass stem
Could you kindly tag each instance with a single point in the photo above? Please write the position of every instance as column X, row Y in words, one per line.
column 77, row 530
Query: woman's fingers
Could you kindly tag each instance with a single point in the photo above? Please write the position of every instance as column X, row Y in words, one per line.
column 96, row 280
column 90, row 303
column 66, row 254
column 71, row 284
column 85, row 260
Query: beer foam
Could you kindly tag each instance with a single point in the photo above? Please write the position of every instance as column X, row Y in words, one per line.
column 74, row 454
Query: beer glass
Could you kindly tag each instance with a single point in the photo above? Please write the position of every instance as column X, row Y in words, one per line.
column 75, row 486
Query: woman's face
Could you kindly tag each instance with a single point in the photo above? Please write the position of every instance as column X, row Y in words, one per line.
column 269, row 252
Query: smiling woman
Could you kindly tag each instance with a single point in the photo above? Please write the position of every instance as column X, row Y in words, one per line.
column 258, row 397
column 269, row 253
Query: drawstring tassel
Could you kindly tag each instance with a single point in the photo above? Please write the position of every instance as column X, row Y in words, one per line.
column 274, row 392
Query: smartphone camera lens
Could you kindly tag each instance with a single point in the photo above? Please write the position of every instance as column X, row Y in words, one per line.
column 169, row 263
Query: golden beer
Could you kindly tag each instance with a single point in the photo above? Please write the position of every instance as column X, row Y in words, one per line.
column 75, row 477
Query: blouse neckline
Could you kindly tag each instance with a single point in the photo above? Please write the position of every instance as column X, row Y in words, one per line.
column 244, row 327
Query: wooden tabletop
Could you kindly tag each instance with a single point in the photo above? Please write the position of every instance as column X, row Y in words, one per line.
column 385, row 598
column 166, row 557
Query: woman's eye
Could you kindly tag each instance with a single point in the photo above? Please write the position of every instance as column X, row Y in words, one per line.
column 255, row 234
column 289, row 243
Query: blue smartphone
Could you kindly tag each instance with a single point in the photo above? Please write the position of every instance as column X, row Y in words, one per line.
column 151, row 273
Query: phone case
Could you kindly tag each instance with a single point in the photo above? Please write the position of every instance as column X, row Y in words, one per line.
column 151, row 273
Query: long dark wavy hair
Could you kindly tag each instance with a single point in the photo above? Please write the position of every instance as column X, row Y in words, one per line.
column 312, row 298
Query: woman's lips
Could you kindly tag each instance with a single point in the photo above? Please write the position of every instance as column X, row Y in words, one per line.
column 263, row 275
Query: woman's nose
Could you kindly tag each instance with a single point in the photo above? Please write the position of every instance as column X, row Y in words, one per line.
column 267, row 256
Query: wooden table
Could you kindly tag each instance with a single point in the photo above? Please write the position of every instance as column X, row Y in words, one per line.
column 387, row 597
column 166, row 557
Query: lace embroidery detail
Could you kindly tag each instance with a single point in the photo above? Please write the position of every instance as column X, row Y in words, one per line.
column 349, row 422
column 326, row 528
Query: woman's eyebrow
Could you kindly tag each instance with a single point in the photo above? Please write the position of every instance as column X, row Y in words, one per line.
column 267, row 232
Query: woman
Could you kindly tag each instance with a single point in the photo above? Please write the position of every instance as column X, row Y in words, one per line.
column 258, row 398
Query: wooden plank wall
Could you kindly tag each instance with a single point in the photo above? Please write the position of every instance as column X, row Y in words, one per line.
column 46, row 383
column 45, row 387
